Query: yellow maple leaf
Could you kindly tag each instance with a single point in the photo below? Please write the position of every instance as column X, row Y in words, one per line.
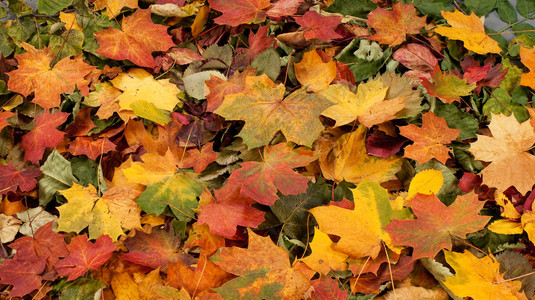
column 480, row 278
column 85, row 209
column 141, row 91
column 70, row 21
column 360, row 230
column 311, row 71
column 507, row 150
column 113, row 7
column 152, row 169
column 347, row 159
column 368, row 104
column 527, row 57
column 426, row 182
column 323, row 258
column 470, row 30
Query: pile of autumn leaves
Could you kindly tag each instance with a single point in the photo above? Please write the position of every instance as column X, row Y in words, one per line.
column 283, row 146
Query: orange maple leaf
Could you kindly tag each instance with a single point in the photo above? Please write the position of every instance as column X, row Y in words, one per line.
column 35, row 74
column 430, row 139
column 392, row 27
column 138, row 38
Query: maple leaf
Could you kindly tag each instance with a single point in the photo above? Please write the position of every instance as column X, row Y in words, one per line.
column 238, row 12
column 230, row 210
column 487, row 75
column 360, row 229
column 265, row 111
column 155, row 249
column 345, row 158
column 84, row 256
column 326, row 288
column 416, row 57
column 137, row 39
column 199, row 159
column 527, row 58
column 368, row 105
column 479, row 278
column 200, row 236
column 430, row 139
column 35, row 74
column 261, row 180
column 46, row 244
column 312, row 72
column 447, row 86
column 219, row 88
column 154, row 168
column 323, row 258
column 11, row 178
column 104, row 97
column 264, row 271
column 319, row 27
column 85, row 209
column 470, row 30
column 113, row 7
column 91, row 148
column 23, row 272
column 204, row 277
column 121, row 201
column 507, row 149
column 393, row 26
column 383, row 145
column 436, row 223
column 43, row 135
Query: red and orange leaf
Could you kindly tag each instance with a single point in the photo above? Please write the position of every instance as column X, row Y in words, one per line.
column 219, row 88
column 258, row 42
column 326, row 288
column 263, row 269
column 393, row 26
column 11, row 178
column 46, row 244
column 84, row 256
column 200, row 236
column 231, row 209
column 43, row 135
column 23, row 272
column 370, row 283
column 261, row 180
column 91, row 148
column 319, row 27
column 447, row 86
column 199, row 159
column 196, row 280
column 35, row 74
column 430, row 139
column 527, row 57
column 436, row 223
column 3, row 118
column 113, row 7
column 137, row 40
column 82, row 123
column 154, row 250
column 237, row 12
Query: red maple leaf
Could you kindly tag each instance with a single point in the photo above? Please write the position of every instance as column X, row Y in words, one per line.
column 326, row 288
column 154, row 250
column 138, row 38
column 84, row 256
column 91, row 148
column 261, row 180
column 319, row 27
column 219, row 88
column 258, row 42
column 436, row 223
column 393, row 26
column 238, row 12
column 489, row 74
column 229, row 211
column 43, row 135
column 46, row 244
column 10, row 178
column 3, row 118
column 23, row 272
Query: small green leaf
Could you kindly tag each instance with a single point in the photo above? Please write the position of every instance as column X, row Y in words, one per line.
column 52, row 7
column 57, row 175
column 268, row 62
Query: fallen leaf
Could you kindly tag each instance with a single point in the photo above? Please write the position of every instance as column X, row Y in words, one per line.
column 265, row 111
column 447, row 86
column 393, row 26
column 23, row 271
column 199, row 159
column 136, row 40
column 85, row 256
column 264, row 270
column 526, row 56
column 507, row 149
column 11, row 178
column 319, row 27
column 43, row 135
column 90, row 147
column 219, row 88
column 324, row 258
column 35, row 74
column 430, row 140
column 313, row 73
column 113, row 7
column 436, row 223
column 470, row 30
column 9, row 227
column 237, row 12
